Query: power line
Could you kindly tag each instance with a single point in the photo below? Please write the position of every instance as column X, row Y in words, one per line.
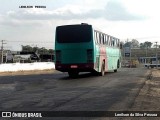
column 137, row 38
column 151, row 37
column 32, row 41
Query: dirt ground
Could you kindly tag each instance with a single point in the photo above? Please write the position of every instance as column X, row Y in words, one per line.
column 32, row 72
column 149, row 96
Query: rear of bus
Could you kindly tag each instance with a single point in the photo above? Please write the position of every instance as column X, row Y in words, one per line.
column 74, row 49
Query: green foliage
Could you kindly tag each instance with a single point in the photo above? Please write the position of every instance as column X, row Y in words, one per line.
column 145, row 45
column 134, row 43
column 38, row 50
column 127, row 44
column 27, row 48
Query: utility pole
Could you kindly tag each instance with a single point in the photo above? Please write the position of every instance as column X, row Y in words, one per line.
column 124, row 53
column 156, row 56
column 130, row 54
column 2, row 41
column 146, row 50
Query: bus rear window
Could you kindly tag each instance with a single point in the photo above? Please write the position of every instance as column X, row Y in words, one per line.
column 73, row 33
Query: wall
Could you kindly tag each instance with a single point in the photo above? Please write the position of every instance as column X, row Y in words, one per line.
column 12, row 67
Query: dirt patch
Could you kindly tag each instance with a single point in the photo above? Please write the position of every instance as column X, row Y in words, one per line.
column 31, row 72
column 149, row 96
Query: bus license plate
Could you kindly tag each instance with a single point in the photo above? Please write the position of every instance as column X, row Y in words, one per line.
column 74, row 66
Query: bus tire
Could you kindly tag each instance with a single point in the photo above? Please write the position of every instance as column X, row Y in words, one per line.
column 95, row 73
column 118, row 65
column 102, row 73
column 73, row 74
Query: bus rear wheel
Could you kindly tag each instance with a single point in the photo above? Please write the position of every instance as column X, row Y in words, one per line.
column 73, row 74
column 118, row 65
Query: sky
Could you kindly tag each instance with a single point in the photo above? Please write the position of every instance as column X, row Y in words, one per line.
column 124, row 19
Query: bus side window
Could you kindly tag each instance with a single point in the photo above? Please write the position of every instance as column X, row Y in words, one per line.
column 95, row 36
column 110, row 41
column 113, row 41
column 98, row 41
column 118, row 44
column 107, row 40
column 104, row 39
column 100, row 38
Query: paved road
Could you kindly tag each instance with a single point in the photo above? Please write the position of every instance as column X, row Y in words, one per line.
column 49, row 92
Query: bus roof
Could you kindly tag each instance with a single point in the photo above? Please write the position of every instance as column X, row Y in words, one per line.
column 93, row 27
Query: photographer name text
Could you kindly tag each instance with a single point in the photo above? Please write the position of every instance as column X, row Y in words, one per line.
column 36, row 6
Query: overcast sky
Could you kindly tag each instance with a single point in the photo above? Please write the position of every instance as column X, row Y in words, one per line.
column 132, row 19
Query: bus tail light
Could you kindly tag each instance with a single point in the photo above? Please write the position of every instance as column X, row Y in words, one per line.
column 89, row 55
column 58, row 56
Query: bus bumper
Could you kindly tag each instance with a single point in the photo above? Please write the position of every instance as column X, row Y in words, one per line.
column 83, row 67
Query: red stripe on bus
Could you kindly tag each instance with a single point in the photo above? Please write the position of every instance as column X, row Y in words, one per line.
column 103, row 56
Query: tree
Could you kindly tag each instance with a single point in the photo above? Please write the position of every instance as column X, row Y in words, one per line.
column 145, row 45
column 127, row 44
column 51, row 51
column 142, row 46
column 27, row 48
column 37, row 50
column 135, row 43
column 43, row 50
column 156, row 46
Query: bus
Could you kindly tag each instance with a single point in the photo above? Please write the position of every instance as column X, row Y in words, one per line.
column 81, row 48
